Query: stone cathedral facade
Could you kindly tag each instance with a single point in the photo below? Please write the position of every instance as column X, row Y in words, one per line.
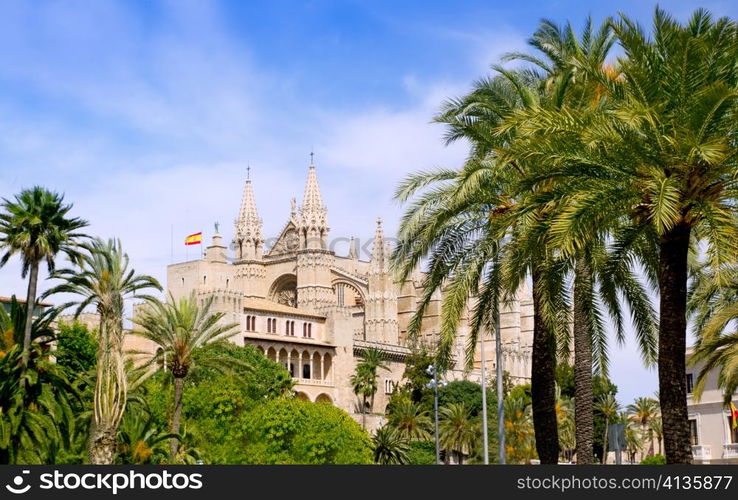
column 315, row 312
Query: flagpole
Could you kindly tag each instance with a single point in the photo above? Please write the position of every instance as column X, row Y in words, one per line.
column 171, row 241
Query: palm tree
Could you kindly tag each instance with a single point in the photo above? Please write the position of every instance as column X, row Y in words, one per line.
column 181, row 328
column 657, row 429
column 35, row 225
column 410, row 421
column 36, row 398
column 459, row 219
column 141, row 439
column 713, row 304
column 633, row 440
column 609, row 407
column 364, row 379
column 657, row 157
column 390, row 447
column 565, row 421
column 105, row 281
column 519, row 437
column 457, row 430
column 644, row 411
column 364, row 384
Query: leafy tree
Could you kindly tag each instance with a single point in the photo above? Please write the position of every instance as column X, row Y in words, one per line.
column 36, row 226
column 76, row 347
column 390, row 447
column 644, row 411
column 291, row 431
column 105, row 281
column 215, row 403
column 180, row 329
column 422, row 453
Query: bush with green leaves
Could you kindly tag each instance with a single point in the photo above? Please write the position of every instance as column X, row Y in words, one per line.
column 291, row 431
column 654, row 460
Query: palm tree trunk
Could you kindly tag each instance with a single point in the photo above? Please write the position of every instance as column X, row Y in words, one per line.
column 604, row 443
column 30, row 306
column 102, row 445
column 363, row 412
column 176, row 416
column 583, row 398
column 543, row 383
column 674, row 247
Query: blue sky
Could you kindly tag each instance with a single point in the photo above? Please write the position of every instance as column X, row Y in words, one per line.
column 146, row 114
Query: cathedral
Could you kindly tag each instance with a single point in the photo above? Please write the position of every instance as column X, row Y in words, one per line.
column 316, row 312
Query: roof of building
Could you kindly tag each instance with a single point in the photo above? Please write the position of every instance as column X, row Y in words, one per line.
column 22, row 301
column 270, row 306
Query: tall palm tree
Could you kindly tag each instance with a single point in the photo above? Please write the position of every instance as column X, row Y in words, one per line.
column 104, row 281
column 364, row 379
column 657, row 429
column 644, row 411
column 412, row 422
column 609, row 407
column 656, row 156
column 364, row 384
column 181, row 328
column 457, row 430
column 36, row 226
column 458, row 219
column 390, row 447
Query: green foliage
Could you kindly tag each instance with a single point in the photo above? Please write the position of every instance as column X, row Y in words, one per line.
column 282, row 431
column 216, row 403
column 656, row 459
column 422, row 453
column 390, row 447
column 76, row 347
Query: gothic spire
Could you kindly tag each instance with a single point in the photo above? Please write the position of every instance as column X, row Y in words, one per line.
column 248, row 225
column 380, row 260
column 313, row 214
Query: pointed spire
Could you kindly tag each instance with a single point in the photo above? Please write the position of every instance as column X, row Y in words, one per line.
column 312, row 200
column 248, row 225
column 313, row 214
column 379, row 261
column 353, row 249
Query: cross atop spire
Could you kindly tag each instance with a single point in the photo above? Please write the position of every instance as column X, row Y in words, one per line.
column 312, row 157
column 248, row 172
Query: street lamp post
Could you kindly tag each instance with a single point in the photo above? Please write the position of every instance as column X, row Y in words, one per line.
column 485, row 437
column 431, row 370
column 499, row 372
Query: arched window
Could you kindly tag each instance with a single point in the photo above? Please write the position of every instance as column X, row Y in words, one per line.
column 306, row 371
column 182, row 281
column 304, row 330
column 204, row 280
column 228, row 281
column 310, row 330
column 292, row 328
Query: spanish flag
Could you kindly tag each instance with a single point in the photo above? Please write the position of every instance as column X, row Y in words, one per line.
column 194, row 239
column 733, row 415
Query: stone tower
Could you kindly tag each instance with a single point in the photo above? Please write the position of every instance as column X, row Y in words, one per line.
column 381, row 301
column 314, row 290
column 249, row 246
